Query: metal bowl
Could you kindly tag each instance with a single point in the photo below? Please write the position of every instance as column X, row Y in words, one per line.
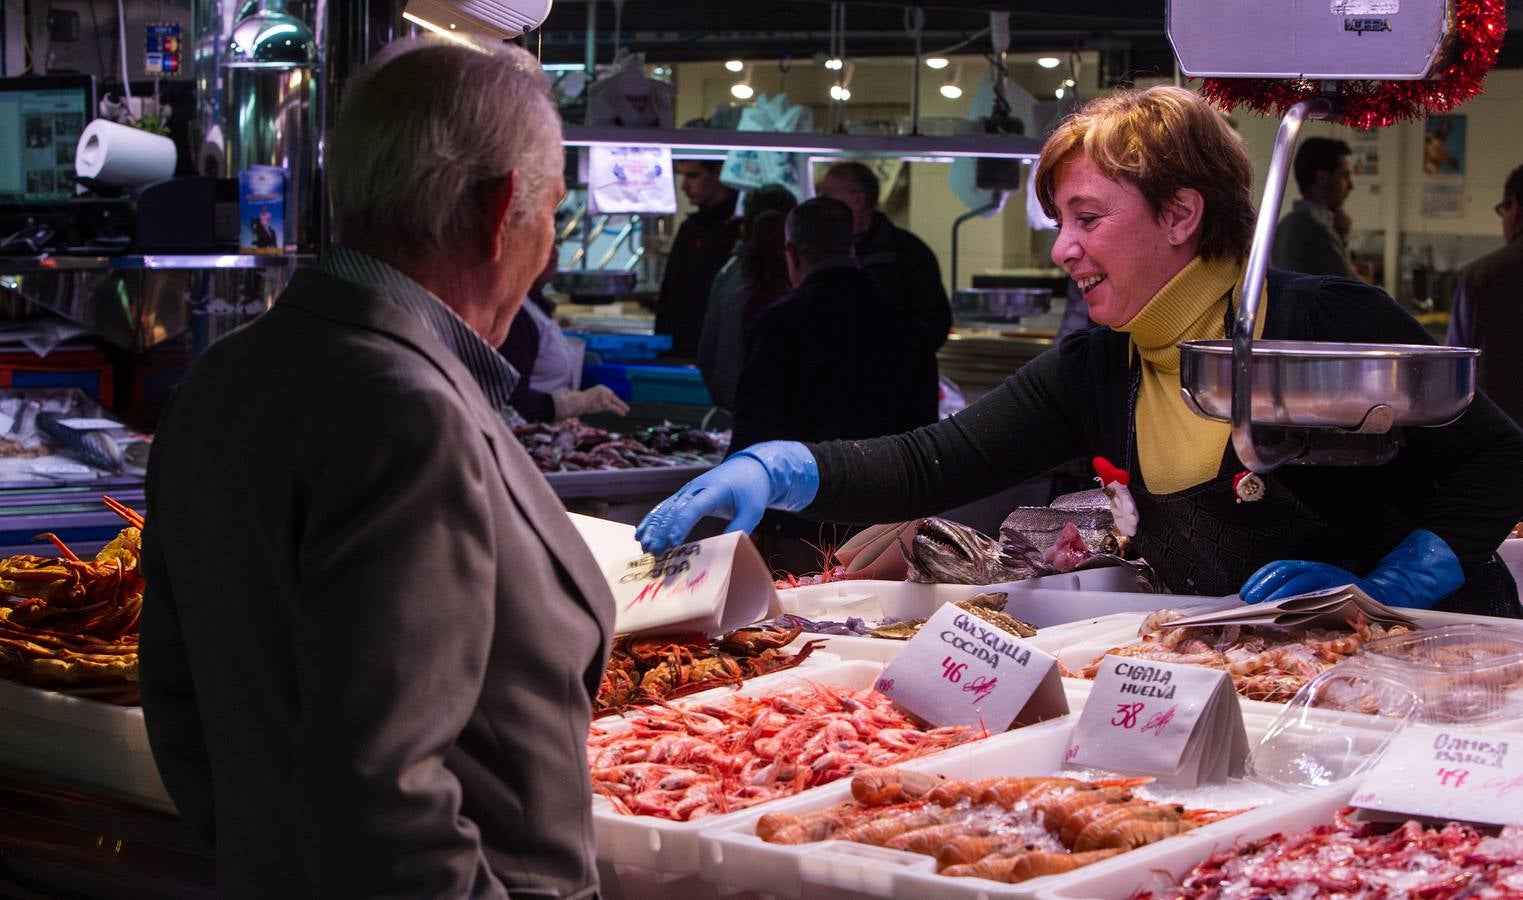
column 1332, row 385
column 1000, row 304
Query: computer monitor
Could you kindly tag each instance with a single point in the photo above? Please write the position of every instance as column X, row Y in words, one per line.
column 41, row 119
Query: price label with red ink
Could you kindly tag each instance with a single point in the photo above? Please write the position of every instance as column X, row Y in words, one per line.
column 962, row 670
column 713, row 585
column 1459, row 774
column 1181, row 723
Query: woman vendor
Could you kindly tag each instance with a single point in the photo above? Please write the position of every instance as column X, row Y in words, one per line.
column 1151, row 190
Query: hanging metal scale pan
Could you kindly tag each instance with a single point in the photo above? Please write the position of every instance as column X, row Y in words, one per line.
column 1326, row 400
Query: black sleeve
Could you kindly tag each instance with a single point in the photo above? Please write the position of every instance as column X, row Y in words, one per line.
column 761, row 396
column 1022, row 428
column 1475, row 463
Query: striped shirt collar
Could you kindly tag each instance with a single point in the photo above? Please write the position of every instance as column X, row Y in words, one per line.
column 487, row 367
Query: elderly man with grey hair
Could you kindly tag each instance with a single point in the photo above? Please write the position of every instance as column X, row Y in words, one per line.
column 371, row 635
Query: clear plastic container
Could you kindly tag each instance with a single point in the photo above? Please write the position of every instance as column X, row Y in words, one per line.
column 1336, row 727
column 1340, row 723
column 1461, row 673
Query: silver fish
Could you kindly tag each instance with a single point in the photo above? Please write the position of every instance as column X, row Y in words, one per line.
column 90, row 447
column 945, row 552
column 1040, row 526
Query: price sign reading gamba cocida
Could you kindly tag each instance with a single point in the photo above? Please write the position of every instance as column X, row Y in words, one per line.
column 961, row 670
column 1181, row 723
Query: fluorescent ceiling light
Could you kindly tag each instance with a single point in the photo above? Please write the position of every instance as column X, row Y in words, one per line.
column 951, row 91
column 734, row 65
column 497, row 19
column 742, row 91
column 1049, row 62
column 936, row 62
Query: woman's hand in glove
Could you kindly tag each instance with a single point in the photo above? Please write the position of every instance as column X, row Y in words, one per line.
column 1421, row 571
column 779, row 474
column 596, row 399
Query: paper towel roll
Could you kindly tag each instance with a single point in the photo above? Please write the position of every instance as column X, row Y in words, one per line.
column 123, row 156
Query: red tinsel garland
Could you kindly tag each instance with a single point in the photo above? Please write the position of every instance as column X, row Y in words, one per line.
column 1479, row 27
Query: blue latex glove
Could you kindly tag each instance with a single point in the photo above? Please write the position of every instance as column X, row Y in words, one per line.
column 1421, row 571
column 779, row 474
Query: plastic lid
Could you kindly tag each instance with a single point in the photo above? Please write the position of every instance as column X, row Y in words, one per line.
column 1336, row 727
column 1461, row 673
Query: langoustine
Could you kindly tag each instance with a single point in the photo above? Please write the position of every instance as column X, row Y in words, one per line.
column 1004, row 829
column 1265, row 662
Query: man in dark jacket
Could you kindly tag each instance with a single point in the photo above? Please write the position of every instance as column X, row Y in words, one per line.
column 901, row 264
column 833, row 359
column 699, row 251
column 383, row 687
column 1309, row 239
column 1488, row 307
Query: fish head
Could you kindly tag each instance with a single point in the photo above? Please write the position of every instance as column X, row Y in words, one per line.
column 944, row 552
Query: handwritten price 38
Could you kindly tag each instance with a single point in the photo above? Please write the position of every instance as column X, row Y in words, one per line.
column 1129, row 714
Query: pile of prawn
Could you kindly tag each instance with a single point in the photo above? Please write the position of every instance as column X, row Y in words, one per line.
column 1005, row 829
column 1349, row 859
column 683, row 763
column 1265, row 662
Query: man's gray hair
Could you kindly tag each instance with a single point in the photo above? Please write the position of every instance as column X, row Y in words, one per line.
column 424, row 130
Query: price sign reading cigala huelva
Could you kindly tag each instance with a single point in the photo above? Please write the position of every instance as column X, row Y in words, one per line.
column 961, row 670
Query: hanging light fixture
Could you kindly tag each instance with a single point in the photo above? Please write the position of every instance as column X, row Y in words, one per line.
column 742, row 89
column 834, row 64
column 734, row 65
column 1049, row 62
column 937, row 62
column 1058, row 93
column 841, row 90
column 951, row 88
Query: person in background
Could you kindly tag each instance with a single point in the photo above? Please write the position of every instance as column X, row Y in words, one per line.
column 1151, row 191
column 701, row 247
column 546, row 363
column 833, row 359
column 722, row 345
column 1488, row 307
column 383, row 688
column 1308, row 239
column 764, row 269
column 902, row 265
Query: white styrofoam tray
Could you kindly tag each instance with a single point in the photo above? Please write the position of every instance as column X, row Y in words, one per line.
column 1052, row 639
column 100, row 748
column 734, row 858
column 671, row 848
column 1030, row 600
column 1113, row 879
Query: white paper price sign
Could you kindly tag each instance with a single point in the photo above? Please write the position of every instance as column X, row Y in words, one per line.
column 961, row 670
column 1453, row 774
column 1181, row 723
column 713, row 585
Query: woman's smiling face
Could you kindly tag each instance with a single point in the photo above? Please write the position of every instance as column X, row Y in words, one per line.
column 1112, row 245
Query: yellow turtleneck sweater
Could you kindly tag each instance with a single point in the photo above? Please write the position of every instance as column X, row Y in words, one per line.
column 1176, row 448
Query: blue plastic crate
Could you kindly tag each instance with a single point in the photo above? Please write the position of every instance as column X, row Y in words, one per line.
column 614, row 347
column 615, row 377
column 668, row 384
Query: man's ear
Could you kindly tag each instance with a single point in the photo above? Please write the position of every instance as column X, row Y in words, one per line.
column 1182, row 215
column 499, row 203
